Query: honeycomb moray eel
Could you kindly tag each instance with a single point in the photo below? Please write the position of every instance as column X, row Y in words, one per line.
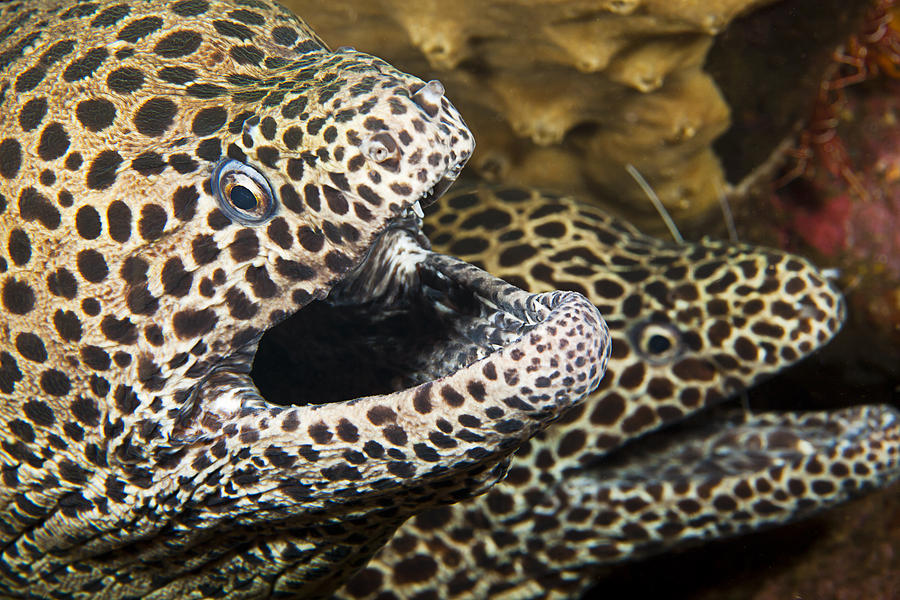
column 177, row 178
column 690, row 324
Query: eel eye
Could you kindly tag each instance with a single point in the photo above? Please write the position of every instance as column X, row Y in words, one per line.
column 243, row 193
column 657, row 342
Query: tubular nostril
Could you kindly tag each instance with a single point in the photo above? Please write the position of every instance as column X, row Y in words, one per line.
column 429, row 96
column 430, row 92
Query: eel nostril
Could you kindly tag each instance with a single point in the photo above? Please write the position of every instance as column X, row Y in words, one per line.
column 429, row 97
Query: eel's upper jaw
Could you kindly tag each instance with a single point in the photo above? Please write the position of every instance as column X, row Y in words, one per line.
column 435, row 191
column 729, row 442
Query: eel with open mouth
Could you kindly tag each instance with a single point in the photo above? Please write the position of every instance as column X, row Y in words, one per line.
column 176, row 180
column 652, row 461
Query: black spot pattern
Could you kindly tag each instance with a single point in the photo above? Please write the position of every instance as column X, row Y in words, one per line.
column 176, row 280
column 177, row 75
column 54, row 142
column 30, row 79
column 209, row 120
column 178, row 44
column 55, row 382
column 193, row 323
column 155, row 116
column 210, row 149
column 118, row 217
column 67, row 324
column 31, row 347
column 110, row 16
column 232, row 29
column 139, row 28
column 62, row 283
column 57, row 51
column 92, row 265
column 96, row 114
column 102, row 172
column 149, row 163
column 85, row 66
column 10, row 157
column 32, row 113
column 284, row 36
column 152, row 222
column 118, row 330
column 87, row 222
column 125, row 80
column 34, row 206
column 18, row 297
column 19, row 247
column 189, row 8
column 10, row 374
column 73, row 161
column 184, row 202
column 65, row 198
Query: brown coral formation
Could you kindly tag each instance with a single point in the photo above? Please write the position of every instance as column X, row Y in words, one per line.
column 565, row 93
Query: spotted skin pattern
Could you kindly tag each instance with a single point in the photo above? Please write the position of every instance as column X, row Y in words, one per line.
column 690, row 324
column 137, row 457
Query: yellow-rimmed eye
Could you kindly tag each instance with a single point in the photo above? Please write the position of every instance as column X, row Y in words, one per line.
column 242, row 192
column 656, row 342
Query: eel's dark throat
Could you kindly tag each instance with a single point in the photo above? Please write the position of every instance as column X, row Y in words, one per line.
column 405, row 316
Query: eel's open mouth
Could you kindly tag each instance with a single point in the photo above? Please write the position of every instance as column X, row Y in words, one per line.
column 405, row 316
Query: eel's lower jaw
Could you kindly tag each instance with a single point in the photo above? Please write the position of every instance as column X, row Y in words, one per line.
column 730, row 473
column 409, row 316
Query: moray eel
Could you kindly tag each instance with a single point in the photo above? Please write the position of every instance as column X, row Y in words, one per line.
column 176, row 179
column 690, row 324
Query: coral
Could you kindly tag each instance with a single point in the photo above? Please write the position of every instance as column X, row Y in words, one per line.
column 846, row 211
column 589, row 85
column 667, row 137
column 770, row 65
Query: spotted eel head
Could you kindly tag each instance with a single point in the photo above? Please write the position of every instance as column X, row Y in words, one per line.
column 691, row 323
column 351, row 144
column 178, row 178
